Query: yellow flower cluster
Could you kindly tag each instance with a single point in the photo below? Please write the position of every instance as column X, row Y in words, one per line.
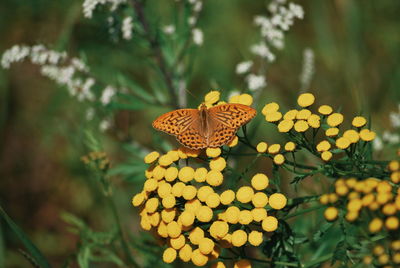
column 99, row 159
column 394, row 167
column 384, row 254
column 370, row 194
column 275, row 150
column 303, row 119
column 185, row 207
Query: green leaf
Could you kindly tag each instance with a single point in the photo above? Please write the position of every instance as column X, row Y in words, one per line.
column 135, row 88
column 127, row 169
column 339, row 253
column 31, row 248
column 92, row 142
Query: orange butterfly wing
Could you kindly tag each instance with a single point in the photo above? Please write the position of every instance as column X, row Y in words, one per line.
column 175, row 122
column 193, row 137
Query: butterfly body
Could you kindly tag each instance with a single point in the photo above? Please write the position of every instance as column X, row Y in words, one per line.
column 205, row 127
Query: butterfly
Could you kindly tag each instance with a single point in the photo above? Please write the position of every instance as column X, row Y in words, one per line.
column 205, row 127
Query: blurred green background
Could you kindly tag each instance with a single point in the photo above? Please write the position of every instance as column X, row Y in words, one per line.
column 357, row 52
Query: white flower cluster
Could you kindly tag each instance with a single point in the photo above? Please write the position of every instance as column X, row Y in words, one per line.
column 90, row 5
column 127, row 27
column 307, row 71
column 197, row 34
column 389, row 137
column 272, row 30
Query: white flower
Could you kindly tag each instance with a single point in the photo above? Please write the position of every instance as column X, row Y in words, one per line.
column 395, row 118
column 104, row 125
column 14, row 54
column 390, row 138
column 192, row 20
column 197, row 6
column 169, row 29
column 377, row 144
column 255, row 82
column 89, row 114
column 107, row 94
column 197, row 36
column 127, row 27
column 307, row 71
column 263, row 51
column 90, row 5
column 243, row 67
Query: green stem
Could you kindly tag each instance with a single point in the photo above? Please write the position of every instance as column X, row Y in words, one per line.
column 303, row 211
column 319, row 260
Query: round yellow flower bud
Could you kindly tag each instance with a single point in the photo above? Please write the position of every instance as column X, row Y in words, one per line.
column 262, row 147
column 394, row 165
column 164, row 190
column 395, row 176
column 277, row 201
column 389, row 209
column 368, row 199
column 151, row 157
column 325, row 109
column 306, row 99
column 171, row 174
column 242, row 264
column 392, row 223
column 165, row 160
column 213, row 200
column 285, row 125
column 341, row 190
column 232, row 215
column 211, row 97
column 177, row 189
column 395, row 245
column 331, row 213
column 335, row 119
column 314, row 121
column 244, row 194
column 154, row 218
column 245, row 99
column 279, row 159
column 359, row 121
column 367, row 260
column 354, row 205
column 174, row 155
column 219, row 229
column 150, row 185
column 186, row 174
column 178, row 242
column 173, row 229
column 303, row 114
column 351, row 135
column 378, row 250
column 214, row 178
column 274, row 148
column 255, row 238
column 326, row 156
column 291, row 114
column 273, row 117
column 383, row 259
column 158, row 172
column 324, row 199
column 200, row 174
column 204, row 214
column 245, row 217
column 352, row 216
column 367, row 135
column 290, row 146
column 333, row 197
column 185, row 253
column 375, row 225
column 396, row 258
column 218, row 265
column 270, row 108
column 269, row 224
column 342, row 143
column 259, row 214
column 227, row 197
column 169, row 255
column 198, row 258
column 239, row 238
column 162, row 230
column 187, row 217
column 203, row 192
column 213, row 152
column 206, row 245
column 189, row 192
column 196, row 235
column 152, row 205
column 323, row 146
column 138, row 199
column 260, row 181
column 169, row 201
column 168, row 215
column 259, row 200
column 218, row 164
column 332, row 132
column 233, row 142
column 301, row 126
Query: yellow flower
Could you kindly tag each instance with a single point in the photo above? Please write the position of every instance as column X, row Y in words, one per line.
column 394, row 165
column 333, row 198
column 196, row 235
column 303, row 114
column 227, row 197
column 232, row 214
column 270, row 108
column 351, row 135
column 259, row 214
column 171, row 174
column 218, row 265
column 198, row 258
column 324, row 199
column 158, row 172
column 255, row 238
column 168, row 215
column 213, row 152
column 204, row 192
column 200, row 174
column 189, row 192
column 185, row 253
column 332, row 132
column 150, row 185
column 151, row 157
column 213, row 200
column 291, row 114
column 246, row 99
column 169, row 201
column 389, row 209
column 285, row 125
column 245, row 217
column 395, row 245
column 352, row 215
column 359, row 121
column 165, row 160
column 173, row 229
column 239, row 238
column 326, row 156
column 274, row 148
column 273, row 117
column 354, row 205
column 169, row 255
column 301, row 126
column 186, row 174
column 325, row 109
column 204, row 214
column 269, row 224
column 335, row 119
column 206, row 245
column 306, row 99
column 177, row 189
column 262, row 147
column 342, row 143
column 219, row 229
column 290, row 146
column 152, row 205
column 138, row 199
column 259, row 200
column 279, row 159
column 375, row 225
column 367, row 135
column 162, row 230
column 392, row 223
column 277, row 201
column 174, row 155
column 244, row 194
column 187, row 217
column 341, row 190
column 314, row 121
column 218, row 164
column 214, row 178
column 178, row 242
column 242, row 264
column 378, row 250
column 260, row 181
column 233, row 142
column 211, row 97
column 331, row 213
column 323, row 146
